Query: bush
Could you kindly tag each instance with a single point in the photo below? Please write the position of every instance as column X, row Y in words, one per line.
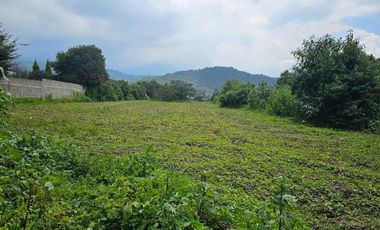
column 282, row 102
column 234, row 93
column 78, row 97
column 258, row 98
column 374, row 126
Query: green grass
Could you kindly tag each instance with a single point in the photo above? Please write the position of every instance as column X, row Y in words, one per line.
column 335, row 175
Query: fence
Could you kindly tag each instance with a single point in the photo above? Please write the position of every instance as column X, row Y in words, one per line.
column 20, row 87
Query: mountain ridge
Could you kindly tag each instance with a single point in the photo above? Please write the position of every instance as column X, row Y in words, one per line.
column 207, row 79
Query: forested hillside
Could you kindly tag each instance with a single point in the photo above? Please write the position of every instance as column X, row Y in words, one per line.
column 211, row 78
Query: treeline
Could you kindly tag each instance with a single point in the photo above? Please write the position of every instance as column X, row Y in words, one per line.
column 334, row 83
column 85, row 65
column 112, row 90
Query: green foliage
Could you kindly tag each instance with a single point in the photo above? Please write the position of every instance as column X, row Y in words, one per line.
column 36, row 73
column 176, row 90
column 48, row 69
column 152, row 88
column 336, row 82
column 333, row 174
column 5, row 101
column 137, row 90
column 8, row 49
column 83, row 64
column 286, row 79
column 234, row 93
column 76, row 97
column 48, row 185
column 214, row 77
column 35, row 67
column 282, row 102
column 374, row 126
column 109, row 91
column 258, row 98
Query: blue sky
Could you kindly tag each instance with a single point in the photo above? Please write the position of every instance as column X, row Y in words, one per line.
column 159, row 36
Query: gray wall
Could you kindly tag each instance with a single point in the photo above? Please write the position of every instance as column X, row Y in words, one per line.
column 20, row 87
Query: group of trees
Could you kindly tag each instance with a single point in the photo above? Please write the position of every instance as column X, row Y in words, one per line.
column 333, row 83
column 85, row 65
column 146, row 89
column 278, row 100
column 37, row 73
column 336, row 83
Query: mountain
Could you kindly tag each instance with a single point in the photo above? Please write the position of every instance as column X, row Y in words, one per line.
column 117, row 75
column 211, row 78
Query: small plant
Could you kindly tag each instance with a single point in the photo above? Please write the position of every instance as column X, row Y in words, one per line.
column 5, row 101
column 283, row 206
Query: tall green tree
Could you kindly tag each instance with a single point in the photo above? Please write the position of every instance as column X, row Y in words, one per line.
column 151, row 87
column 35, row 67
column 137, row 91
column 336, row 82
column 8, row 49
column 36, row 72
column 180, row 90
column 83, row 64
column 48, row 69
column 286, row 79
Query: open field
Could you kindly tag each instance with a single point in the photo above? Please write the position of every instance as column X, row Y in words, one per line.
column 335, row 175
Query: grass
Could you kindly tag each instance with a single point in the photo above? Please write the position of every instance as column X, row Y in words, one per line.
column 334, row 175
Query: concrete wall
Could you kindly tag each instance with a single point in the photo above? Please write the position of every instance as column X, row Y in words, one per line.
column 20, row 87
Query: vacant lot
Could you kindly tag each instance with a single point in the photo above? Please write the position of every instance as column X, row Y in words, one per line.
column 335, row 175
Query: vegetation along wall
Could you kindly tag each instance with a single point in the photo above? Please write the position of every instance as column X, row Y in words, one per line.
column 20, row 87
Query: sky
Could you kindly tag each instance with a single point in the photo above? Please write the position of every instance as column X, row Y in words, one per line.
column 152, row 37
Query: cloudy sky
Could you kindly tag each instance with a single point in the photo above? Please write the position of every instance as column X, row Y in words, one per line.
column 160, row 36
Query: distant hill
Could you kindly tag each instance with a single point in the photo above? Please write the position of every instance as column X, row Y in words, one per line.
column 117, row 75
column 211, row 78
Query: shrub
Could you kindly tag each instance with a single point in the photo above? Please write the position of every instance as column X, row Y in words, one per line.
column 258, row 97
column 234, row 93
column 78, row 97
column 5, row 101
column 282, row 102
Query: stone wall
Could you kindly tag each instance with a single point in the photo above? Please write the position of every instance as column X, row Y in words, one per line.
column 20, row 87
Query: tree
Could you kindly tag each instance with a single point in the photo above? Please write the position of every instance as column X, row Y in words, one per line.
column 48, row 69
column 36, row 72
column 180, row 90
column 36, row 67
column 336, row 82
column 84, row 64
column 137, row 91
column 286, row 79
column 151, row 87
column 8, row 49
column 258, row 97
column 234, row 93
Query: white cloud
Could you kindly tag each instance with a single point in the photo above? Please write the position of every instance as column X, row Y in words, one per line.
column 371, row 41
column 256, row 36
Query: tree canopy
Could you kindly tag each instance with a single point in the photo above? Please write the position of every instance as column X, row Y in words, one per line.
column 336, row 82
column 8, row 49
column 83, row 64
